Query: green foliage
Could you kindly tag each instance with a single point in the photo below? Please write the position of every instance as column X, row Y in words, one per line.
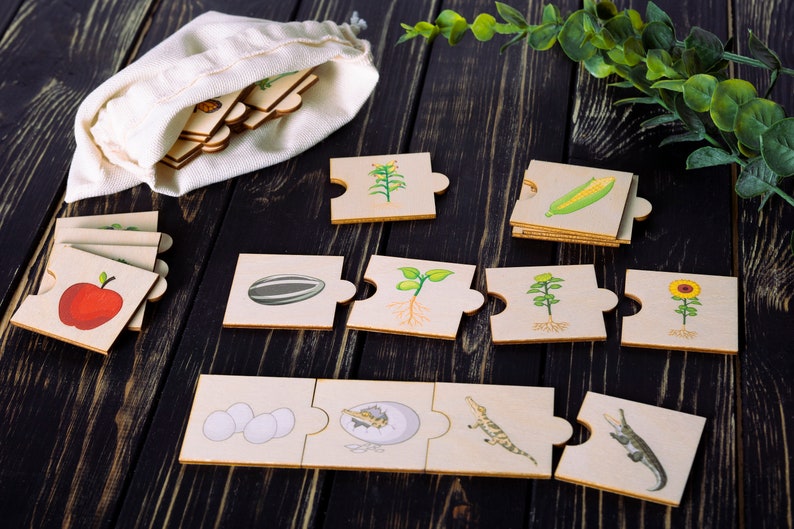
column 415, row 279
column 688, row 79
column 387, row 180
column 543, row 285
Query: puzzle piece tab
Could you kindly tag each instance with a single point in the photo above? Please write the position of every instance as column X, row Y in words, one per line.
column 385, row 188
column 687, row 312
column 548, row 304
column 286, row 291
column 415, row 297
column 634, row 449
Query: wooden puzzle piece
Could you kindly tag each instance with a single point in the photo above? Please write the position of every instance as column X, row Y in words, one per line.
column 548, row 304
column 81, row 308
column 256, row 421
column 496, row 431
column 286, row 291
column 208, row 116
column 385, row 188
column 268, row 93
column 161, row 241
column 415, row 297
column 636, row 209
column 288, row 104
column 378, row 425
column 688, row 312
column 136, row 221
column 634, row 449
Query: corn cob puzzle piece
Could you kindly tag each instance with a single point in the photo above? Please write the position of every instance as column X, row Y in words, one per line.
column 286, row 291
column 415, row 297
column 385, row 188
column 548, row 304
column 634, row 449
column 91, row 302
column 680, row 311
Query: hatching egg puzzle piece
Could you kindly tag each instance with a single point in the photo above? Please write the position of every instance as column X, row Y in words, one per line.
column 385, row 188
column 415, row 297
column 374, row 425
column 250, row 421
column 548, row 304
column 286, row 291
column 687, row 312
column 572, row 198
column 496, row 430
column 634, row 449
column 91, row 302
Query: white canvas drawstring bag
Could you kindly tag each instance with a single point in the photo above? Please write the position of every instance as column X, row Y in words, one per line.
column 127, row 124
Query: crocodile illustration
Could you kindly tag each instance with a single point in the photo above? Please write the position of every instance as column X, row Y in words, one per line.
column 372, row 417
column 638, row 449
column 496, row 435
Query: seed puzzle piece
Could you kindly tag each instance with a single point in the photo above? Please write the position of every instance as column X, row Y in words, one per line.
column 385, row 188
column 688, row 312
column 379, row 425
column 286, row 291
column 256, row 421
column 81, row 308
column 548, row 304
column 415, row 297
column 496, row 430
column 634, row 449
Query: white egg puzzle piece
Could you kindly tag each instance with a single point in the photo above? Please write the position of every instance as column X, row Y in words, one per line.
column 415, row 297
column 548, row 304
column 286, row 291
column 687, row 312
column 634, row 449
column 91, row 302
column 495, row 430
column 385, row 188
column 253, row 421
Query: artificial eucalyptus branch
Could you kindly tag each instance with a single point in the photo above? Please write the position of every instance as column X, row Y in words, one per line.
column 688, row 79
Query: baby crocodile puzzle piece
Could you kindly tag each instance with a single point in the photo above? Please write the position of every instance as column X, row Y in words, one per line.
column 634, row 449
column 385, row 188
column 91, row 302
column 286, row 291
column 548, row 304
column 415, row 297
column 687, row 312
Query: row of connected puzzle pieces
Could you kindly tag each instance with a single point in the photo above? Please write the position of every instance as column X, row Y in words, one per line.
column 446, row 428
column 427, row 298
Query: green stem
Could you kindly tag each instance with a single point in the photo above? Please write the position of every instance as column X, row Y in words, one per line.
column 422, row 280
column 741, row 59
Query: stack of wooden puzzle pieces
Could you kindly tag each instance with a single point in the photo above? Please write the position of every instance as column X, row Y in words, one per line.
column 212, row 123
column 101, row 272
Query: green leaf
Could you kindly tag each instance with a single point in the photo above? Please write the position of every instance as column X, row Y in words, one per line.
column 698, row 91
column 706, row 45
column 689, row 117
column 633, row 52
column 410, row 272
column 708, row 157
column 675, row 85
column 103, row 278
column 511, row 15
column 777, row 147
column 534, row 291
column 760, row 51
column 438, row 274
column 457, row 31
column 620, row 27
column 606, row 10
column 660, row 64
column 636, row 19
column 754, row 118
column 728, row 96
column 554, row 301
column 555, row 286
column 551, row 15
column 555, row 280
column 538, row 299
column 755, row 179
column 515, row 40
column 590, row 7
column 540, row 304
column 598, row 67
column 483, row 27
column 636, row 100
column 573, row 38
column 654, row 14
column 658, row 35
column 407, row 285
column 658, row 120
column 544, row 36
column 679, row 138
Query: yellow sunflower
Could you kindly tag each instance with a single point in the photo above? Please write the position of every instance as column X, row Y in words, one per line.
column 684, row 289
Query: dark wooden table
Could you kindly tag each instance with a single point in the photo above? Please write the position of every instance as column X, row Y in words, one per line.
column 92, row 441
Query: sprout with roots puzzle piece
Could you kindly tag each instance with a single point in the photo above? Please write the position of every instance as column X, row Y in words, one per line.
column 412, row 312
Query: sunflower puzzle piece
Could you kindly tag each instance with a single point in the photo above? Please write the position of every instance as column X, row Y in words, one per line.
column 385, row 188
column 252, row 421
column 415, row 297
column 286, row 291
column 548, row 304
column 496, row 430
column 571, row 203
column 81, row 308
column 687, row 312
column 634, row 449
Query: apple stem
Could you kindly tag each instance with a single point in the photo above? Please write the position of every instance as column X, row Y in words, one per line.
column 108, row 280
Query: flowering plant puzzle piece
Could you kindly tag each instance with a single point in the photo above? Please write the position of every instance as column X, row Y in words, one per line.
column 496, row 430
column 254, row 421
column 385, row 188
column 634, row 449
column 286, row 291
column 84, row 307
column 415, row 297
column 688, row 312
column 548, row 304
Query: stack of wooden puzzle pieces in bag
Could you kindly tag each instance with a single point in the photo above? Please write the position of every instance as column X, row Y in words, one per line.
column 101, row 272
column 210, row 127
column 570, row 203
